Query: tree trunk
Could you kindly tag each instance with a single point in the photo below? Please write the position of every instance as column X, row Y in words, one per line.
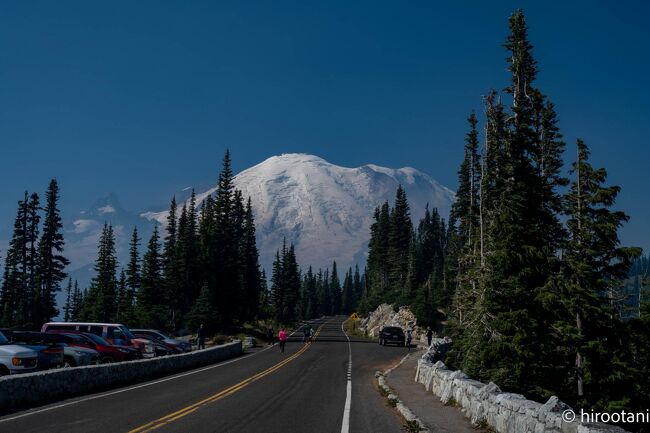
column 579, row 379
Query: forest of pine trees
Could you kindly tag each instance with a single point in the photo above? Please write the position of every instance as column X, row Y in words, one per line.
column 539, row 258
column 526, row 272
column 203, row 270
column 406, row 264
column 34, row 263
column 294, row 296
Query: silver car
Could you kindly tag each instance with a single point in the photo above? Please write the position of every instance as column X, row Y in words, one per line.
column 77, row 356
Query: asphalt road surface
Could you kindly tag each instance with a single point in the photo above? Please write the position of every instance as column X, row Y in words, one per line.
column 326, row 386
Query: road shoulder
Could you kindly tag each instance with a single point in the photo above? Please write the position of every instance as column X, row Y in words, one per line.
column 425, row 406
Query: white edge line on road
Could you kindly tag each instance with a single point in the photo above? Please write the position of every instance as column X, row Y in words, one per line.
column 119, row 391
column 345, row 426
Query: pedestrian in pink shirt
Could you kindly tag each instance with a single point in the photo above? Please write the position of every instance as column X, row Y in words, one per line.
column 282, row 336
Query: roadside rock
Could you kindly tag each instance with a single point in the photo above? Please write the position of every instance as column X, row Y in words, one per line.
column 384, row 315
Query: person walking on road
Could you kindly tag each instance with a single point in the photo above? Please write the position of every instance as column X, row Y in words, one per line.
column 269, row 335
column 200, row 337
column 408, row 339
column 306, row 333
column 282, row 336
column 429, row 336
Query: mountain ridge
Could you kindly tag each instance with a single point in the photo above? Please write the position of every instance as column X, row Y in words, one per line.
column 324, row 209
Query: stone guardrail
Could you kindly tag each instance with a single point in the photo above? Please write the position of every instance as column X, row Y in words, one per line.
column 504, row 412
column 52, row 385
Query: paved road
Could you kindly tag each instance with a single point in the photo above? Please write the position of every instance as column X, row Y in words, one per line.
column 309, row 388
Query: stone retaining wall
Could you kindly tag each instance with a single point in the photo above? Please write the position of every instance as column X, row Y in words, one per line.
column 504, row 412
column 51, row 385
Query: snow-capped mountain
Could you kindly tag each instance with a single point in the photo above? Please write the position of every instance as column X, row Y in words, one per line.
column 324, row 209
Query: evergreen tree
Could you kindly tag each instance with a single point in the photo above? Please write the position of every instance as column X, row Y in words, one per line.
column 133, row 268
column 347, row 298
column 251, row 275
column 207, row 247
column 76, row 303
column 186, row 292
column 580, row 298
column 13, row 283
column 32, row 296
column 238, row 301
column 407, row 297
column 335, row 290
column 132, row 274
column 192, row 252
column 309, row 297
column 101, row 301
column 151, row 302
column 465, row 208
column 203, row 312
column 325, row 294
column 122, row 305
column 170, row 261
column 357, row 287
column 523, row 232
column 225, row 246
column 285, row 285
column 188, row 260
column 377, row 286
column 277, row 285
column 51, row 262
column 265, row 308
column 399, row 236
column 67, row 308
column 292, row 280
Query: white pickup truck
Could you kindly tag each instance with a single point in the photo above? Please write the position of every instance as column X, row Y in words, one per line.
column 15, row 359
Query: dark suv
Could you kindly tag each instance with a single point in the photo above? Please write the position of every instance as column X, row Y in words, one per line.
column 392, row 335
column 177, row 346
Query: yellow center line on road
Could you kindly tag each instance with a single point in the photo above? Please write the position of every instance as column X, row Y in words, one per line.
column 160, row 422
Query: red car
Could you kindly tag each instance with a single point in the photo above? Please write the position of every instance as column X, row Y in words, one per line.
column 114, row 333
column 107, row 351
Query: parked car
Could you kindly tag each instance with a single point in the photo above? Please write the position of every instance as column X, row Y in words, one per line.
column 178, row 346
column 16, row 359
column 50, row 353
column 115, row 333
column 107, row 351
column 392, row 335
column 160, row 348
column 74, row 355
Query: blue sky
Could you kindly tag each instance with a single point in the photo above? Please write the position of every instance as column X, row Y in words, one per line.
column 141, row 98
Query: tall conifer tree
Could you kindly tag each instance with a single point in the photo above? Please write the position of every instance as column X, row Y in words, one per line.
column 151, row 300
column 51, row 262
